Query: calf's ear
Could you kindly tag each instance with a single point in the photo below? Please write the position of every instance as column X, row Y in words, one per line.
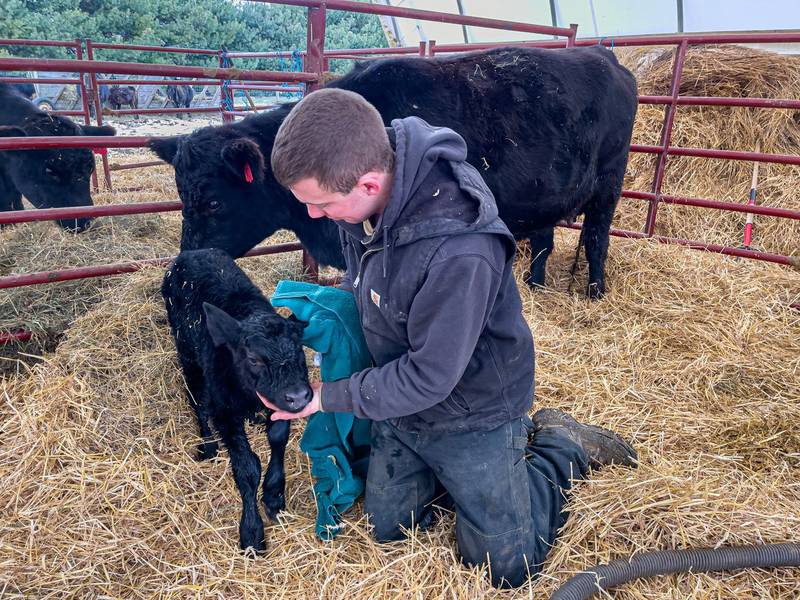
column 300, row 325
column 222, row 327
column 101, row 130
column 166, row 148
column 244, row 161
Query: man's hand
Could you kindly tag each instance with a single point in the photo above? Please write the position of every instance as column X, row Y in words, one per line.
column 310, row 409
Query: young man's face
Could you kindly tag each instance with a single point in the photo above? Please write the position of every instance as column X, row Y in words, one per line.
column 365, row 200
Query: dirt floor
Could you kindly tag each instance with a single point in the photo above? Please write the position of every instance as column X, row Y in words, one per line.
column 693, row 356
column 161, row 125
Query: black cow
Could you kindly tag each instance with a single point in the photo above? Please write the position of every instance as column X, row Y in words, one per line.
column 47, row 178
column 180, row 95
column 117, row 96
column 549, row 130
column 27, row 90
column 231, row 343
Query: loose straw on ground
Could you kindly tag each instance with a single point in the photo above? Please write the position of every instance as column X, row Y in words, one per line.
column 694, row 356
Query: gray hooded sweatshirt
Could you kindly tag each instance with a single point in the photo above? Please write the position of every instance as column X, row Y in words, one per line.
column 438, row 302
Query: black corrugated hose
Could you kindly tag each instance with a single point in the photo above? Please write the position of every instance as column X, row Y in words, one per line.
column 665, row 562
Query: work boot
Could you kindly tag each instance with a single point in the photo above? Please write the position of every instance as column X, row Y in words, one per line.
column 602, row 446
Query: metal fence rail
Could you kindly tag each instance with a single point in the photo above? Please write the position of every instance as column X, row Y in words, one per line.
column 315, row 60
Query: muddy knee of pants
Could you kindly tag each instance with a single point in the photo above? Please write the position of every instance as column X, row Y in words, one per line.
column 392, row 508
column 399, row 486
column 502, row 554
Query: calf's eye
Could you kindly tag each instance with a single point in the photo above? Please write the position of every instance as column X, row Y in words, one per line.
column 214, row 205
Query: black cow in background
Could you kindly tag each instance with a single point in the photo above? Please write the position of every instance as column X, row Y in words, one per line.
column 231, row 343
column 117, row 96
column 27, row 90
column 180, row 95
column 549, row 130
column 47, row 178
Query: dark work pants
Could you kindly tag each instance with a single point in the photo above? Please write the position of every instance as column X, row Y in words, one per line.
column 507, row 494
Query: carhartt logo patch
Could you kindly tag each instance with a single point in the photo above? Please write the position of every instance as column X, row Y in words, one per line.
column 376, row 297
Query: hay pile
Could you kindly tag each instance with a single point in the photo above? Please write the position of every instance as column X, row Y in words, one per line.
column 694, row 356
column 718, row 71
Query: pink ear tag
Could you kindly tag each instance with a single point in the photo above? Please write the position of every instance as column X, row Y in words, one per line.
column 248, row 174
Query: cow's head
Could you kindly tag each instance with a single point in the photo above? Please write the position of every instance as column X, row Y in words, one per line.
column 267, row 355
column 56, row 178
column 230, row 199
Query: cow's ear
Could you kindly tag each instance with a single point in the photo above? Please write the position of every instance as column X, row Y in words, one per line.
column 166, row 148
column 222, row 327
column 101, row 130
column 12, row 131
column 243, row 159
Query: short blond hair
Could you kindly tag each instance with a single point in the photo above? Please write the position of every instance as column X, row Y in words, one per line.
column 334, row 136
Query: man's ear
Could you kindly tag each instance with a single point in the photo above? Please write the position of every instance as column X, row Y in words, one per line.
column 101, row 130
column 244, row 160
column 222, row 327
column 166, row 148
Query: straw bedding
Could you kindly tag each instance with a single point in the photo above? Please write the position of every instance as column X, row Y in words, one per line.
column 695, row 357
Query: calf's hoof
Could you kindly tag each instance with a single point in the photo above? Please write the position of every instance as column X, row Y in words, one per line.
column 253, row 539
column 273, row 504
column 207, row 450
column 596, row 291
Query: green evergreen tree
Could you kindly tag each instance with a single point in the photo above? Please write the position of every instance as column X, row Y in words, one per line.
column 212, row 24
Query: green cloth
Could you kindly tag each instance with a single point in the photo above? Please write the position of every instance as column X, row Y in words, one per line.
column 336, row 443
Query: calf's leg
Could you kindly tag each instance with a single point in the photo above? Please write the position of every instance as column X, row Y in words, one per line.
column 247, row 473
column 199, row 400
column 274, row 497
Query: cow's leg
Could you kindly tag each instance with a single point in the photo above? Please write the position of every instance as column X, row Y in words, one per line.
column 10, row 198
column 541, row 247
column 274, row 497
column 596, row 225
column 247, row 473
column 199, row 399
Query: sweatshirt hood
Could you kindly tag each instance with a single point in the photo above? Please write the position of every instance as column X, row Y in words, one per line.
column 418, row 208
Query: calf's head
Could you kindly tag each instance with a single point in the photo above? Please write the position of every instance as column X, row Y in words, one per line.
column 230, row 199
column 52, row 178
column 267, row 355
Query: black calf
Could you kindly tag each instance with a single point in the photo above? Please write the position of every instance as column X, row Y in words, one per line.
column 231, row 344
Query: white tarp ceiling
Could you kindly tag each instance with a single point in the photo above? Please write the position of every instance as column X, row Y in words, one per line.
column 597, row 18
